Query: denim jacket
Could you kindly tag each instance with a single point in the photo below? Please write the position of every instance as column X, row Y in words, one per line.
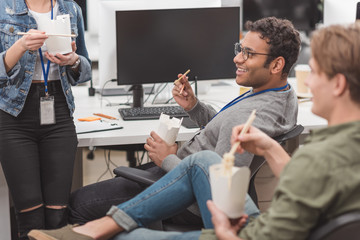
column 15, row 84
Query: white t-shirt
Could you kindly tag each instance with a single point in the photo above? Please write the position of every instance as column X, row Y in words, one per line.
column 54, row 69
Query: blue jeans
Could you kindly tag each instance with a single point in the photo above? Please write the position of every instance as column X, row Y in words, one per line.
column 184, row 185
column 148, row 234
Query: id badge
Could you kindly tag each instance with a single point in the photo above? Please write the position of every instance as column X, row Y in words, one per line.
column 47, row 110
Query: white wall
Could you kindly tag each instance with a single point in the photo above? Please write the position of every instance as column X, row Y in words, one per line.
column 339, row 11
column 93, row 8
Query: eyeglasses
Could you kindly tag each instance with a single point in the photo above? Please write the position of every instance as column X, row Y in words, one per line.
column 246, row 53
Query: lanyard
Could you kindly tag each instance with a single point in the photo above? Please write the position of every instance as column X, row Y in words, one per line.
column 242, row 97
column 46, row 73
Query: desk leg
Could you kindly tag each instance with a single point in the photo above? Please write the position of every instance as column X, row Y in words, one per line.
column 130, row 156
column 4, row 208
column 78, row 170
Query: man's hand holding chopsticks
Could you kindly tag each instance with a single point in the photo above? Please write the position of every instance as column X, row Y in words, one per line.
column 183, row 93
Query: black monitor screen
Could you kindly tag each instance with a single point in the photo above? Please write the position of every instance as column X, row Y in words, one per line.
column 302, row 13
column 358, row 11
column 153, row 46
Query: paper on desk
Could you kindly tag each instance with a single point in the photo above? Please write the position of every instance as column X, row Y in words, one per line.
column 168, row 128
column 61, row 25
column 95, row 126
column 229, row 198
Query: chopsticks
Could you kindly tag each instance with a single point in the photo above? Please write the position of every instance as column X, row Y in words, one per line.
column 244, row 130
column 229, row 158
column 177, row 80
column 49, row 34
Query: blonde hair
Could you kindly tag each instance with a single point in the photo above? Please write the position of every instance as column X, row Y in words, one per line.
column 336, row 49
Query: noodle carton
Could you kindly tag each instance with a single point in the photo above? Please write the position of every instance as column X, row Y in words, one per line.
column 168, row 128
column 229, row 188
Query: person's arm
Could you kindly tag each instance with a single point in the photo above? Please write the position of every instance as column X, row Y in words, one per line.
column 257, row 142
column 198, row 112
column 64, row 59
column 305, row 191
column 82, row 72
column 31, row 42
column 225, row 228
column 186, row 99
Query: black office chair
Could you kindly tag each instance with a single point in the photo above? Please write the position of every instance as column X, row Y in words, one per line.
column 146, row 178
column 346, row 226
column 258, row 161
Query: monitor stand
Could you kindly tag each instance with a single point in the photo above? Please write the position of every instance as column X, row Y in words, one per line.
column 138, row 95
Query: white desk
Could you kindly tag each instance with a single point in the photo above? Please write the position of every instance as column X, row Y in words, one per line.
column 136, row 132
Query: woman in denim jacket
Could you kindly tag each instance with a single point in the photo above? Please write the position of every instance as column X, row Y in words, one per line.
column 37, row 147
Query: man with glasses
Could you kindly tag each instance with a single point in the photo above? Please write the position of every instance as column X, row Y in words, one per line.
column 263, row 61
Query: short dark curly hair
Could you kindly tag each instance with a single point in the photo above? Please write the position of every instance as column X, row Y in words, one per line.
column 283, row 38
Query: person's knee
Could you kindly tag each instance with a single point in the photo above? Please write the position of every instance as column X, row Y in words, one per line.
column 78, row 206
column 94, row 200
column 31, row 208
column 204, row 159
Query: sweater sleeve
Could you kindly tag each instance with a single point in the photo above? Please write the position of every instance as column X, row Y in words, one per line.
column 170, row 162
column 201, row 113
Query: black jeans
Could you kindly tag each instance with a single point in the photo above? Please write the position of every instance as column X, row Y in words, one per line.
column 94, row 201
column 38, row 160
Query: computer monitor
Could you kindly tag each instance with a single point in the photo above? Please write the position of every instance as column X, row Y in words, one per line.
column 159, row 44
column 107, row 30
column 358, row 11
column 302, row 13
column 340, row 12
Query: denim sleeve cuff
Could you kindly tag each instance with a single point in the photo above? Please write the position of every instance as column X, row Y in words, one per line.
column 12, row 73
column 122, row 219
column 83, row 75
column 170, row 162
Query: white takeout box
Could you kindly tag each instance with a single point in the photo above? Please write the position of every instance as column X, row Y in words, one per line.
column 57, row 44
column 229, row 196
column 168, row 128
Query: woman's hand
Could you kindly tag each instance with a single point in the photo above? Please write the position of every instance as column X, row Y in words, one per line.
column 64, row 59
column 28, row 42
column 33, row 41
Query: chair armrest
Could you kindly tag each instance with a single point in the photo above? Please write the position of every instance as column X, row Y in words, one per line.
column 345, row 226
column 137, row 175
column 294, row 132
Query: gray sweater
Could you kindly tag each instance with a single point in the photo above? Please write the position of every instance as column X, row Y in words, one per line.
column 276, row 113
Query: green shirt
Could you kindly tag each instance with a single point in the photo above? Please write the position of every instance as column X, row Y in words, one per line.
column 321, row 181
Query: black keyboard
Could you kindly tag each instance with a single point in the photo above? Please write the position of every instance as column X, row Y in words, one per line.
column 151, row 112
